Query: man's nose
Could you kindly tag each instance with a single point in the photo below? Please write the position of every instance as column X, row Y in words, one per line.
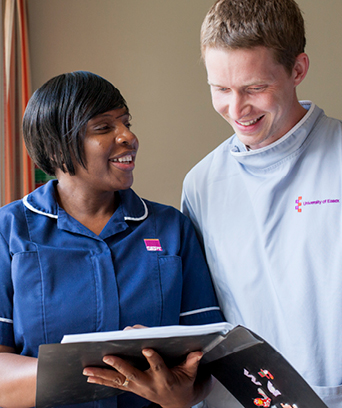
column 238, row 106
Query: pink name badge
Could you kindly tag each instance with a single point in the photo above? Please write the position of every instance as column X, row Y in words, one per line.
column 153, row 245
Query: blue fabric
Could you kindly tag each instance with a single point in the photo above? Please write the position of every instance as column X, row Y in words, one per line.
column 57, row 277
column 277, row 270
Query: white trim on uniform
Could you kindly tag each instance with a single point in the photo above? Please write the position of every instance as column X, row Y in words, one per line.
column 30, row 207
column 205, row 309
column 4, row 320
column 140, row 218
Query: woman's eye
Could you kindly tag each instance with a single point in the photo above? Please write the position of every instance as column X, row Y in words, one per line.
column 128, row 125
column 101, row 128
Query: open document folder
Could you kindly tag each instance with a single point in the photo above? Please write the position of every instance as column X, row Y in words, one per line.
column 255, row 373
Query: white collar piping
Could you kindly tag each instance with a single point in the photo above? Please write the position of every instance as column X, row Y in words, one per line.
column 30, row 207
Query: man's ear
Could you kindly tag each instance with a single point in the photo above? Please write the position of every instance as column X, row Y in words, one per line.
column 300, row 68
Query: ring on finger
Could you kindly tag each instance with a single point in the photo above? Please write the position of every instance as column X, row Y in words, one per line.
column 125, row 382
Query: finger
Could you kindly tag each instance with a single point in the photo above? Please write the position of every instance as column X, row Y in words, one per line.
column 190, row 365
column 136, row 326
column 124, row 368
column 102, row 376
column 156, row 362
column 108, row 383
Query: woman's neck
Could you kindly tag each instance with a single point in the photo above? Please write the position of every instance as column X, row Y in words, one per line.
column 93, row 209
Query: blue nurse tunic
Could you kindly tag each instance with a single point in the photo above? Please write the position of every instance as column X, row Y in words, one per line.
column 57, row 277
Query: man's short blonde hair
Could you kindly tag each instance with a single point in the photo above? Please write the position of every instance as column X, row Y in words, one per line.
column 275, row 24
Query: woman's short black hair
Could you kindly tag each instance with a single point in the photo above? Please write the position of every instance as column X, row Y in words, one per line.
column 56, row 116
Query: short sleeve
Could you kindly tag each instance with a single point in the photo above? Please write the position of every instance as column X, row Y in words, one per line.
column 199, row 302
column 6, row 296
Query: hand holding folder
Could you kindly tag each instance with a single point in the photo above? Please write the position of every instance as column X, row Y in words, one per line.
column 243, row 362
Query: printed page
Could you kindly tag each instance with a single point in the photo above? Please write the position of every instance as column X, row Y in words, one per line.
column 150, row 332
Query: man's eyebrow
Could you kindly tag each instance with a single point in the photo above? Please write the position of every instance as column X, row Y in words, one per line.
column 211, row 84
column 256, row 82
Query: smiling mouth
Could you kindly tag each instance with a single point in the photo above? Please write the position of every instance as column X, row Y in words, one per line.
column 250, row 122
column 125, row 159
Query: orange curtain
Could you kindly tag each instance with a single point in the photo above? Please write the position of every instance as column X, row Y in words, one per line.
column 18, row 169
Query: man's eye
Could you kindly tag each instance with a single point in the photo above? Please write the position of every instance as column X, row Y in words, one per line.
column 257, row 88
column 128, row 125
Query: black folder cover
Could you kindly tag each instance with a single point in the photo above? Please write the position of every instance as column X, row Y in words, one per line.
column 255, row 373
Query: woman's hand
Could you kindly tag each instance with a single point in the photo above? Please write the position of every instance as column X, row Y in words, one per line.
column 171, row 388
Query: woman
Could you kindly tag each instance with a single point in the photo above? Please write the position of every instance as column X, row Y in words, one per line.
column 84, row 253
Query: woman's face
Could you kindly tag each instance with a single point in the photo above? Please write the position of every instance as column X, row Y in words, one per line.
column 110, row 149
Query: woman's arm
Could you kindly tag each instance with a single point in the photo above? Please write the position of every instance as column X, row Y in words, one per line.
column 17, row 379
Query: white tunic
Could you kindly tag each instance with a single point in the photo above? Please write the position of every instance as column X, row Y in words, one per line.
column 271, row 225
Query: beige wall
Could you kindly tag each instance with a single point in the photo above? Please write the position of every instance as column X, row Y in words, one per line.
column 149, row 49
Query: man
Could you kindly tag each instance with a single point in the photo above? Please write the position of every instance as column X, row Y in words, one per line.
column 267, row 202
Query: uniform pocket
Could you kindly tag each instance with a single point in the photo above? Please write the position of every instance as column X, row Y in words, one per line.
column 332, row 396
column 52, row 297
column 171, row 280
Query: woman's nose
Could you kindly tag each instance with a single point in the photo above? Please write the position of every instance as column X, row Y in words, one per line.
column 127, row 137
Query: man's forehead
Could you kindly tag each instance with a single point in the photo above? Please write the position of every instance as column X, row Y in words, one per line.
column 248, row 66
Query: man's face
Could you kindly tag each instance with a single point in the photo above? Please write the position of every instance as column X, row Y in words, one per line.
column 254, row 93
